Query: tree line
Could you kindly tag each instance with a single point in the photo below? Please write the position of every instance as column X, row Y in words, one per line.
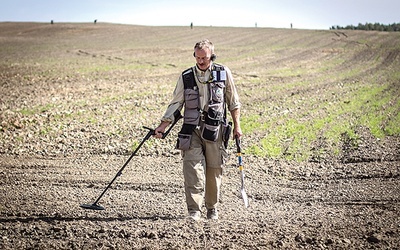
column 369, row 26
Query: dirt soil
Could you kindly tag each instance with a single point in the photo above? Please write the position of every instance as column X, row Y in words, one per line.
column 350, row 202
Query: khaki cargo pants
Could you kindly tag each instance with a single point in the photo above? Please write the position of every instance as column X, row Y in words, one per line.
column 202, row 171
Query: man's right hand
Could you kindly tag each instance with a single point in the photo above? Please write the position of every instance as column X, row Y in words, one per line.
column 159, row 131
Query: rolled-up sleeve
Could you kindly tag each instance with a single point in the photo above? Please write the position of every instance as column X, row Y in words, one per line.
column 176, row 102
column 231, row 94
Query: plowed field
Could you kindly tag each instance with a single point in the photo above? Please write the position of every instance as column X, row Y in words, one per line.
column 320, row 118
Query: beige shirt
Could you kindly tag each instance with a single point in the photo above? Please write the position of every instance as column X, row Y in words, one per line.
column 201, row 77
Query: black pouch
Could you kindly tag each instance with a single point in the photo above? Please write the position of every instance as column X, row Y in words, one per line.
column 227, row 130
column 210, row 130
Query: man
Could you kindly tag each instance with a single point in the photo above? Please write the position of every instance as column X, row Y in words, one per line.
column 207, row 91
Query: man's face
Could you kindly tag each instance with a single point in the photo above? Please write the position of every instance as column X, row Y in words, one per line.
column 203, row 58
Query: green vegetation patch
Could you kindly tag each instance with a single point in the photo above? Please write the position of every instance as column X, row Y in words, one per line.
column 293, row 135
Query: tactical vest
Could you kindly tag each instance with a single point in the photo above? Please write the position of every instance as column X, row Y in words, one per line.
column 215, row 109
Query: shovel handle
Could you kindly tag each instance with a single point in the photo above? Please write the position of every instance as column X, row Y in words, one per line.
column 239, row 153
column 238, row 146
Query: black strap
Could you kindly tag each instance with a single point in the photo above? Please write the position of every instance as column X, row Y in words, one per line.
column 188, row 79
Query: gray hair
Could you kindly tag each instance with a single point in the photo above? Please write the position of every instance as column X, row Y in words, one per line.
column 205, row 44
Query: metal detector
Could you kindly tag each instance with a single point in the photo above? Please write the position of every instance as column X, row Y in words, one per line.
column 95, row 206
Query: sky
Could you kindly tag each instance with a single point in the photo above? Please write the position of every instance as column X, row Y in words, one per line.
column 302, row 14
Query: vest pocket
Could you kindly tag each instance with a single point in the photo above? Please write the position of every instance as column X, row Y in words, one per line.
column 215, row 111
column 191, row 99
column 210, row 133
column 192, row 117
column 217, row 91
column 191, row 113
column 210, row 129
column 183, row 142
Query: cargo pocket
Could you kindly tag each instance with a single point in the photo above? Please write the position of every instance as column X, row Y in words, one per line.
column 183, row 142
column 224, row 155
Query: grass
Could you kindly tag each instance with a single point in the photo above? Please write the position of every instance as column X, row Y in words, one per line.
column 36, row 110
column 358, row 104
column 393, row 127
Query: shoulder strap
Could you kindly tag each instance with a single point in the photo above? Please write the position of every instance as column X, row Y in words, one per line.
column 188, row 79
column 218, row 67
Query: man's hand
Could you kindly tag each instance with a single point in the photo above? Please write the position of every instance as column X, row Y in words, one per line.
column 237, row 132
column 159, row 131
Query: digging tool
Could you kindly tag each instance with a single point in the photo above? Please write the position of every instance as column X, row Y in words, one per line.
column 151, row 132
column 241, row 170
